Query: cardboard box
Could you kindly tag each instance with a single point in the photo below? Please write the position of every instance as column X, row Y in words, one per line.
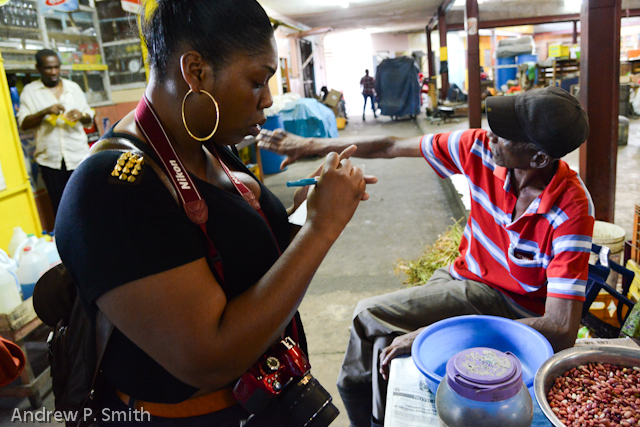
column 625, row 79
column 558, row 51
column 333, row 98
column 634, row 53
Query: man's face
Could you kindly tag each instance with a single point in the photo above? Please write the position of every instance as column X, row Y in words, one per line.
column 509, row 154
column 50, row 70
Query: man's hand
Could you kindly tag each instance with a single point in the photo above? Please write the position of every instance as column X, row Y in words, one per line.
column 55, row 109
column 73, row 115
column 399, row 346
column 283, row 142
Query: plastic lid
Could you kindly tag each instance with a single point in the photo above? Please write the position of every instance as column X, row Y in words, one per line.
column 484, row 374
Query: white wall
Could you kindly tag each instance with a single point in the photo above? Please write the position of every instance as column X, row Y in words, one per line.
column 347, row 55
column 392, row 43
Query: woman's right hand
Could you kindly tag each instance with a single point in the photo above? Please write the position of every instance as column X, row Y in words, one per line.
column 336, row 196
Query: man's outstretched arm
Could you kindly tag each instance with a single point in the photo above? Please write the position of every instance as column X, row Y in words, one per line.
column 296, row 147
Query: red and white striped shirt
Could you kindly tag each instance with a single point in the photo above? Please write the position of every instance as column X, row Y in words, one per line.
column 543, row 253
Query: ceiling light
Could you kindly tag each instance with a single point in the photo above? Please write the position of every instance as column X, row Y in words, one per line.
column 343, row 3
column 573, row 4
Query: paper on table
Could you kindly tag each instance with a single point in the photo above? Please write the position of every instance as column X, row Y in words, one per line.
column 410, row 403
column 300, row 215
column 623, row 342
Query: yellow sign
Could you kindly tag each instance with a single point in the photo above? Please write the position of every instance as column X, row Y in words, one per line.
column 443, row 53
column 89, row 67
column 3, row 2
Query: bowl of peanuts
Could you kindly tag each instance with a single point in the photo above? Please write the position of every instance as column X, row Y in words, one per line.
column 591, row 386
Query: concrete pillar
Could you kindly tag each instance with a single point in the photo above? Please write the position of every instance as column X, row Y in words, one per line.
column 599, row 94
column 444, row 55
column 473, row 62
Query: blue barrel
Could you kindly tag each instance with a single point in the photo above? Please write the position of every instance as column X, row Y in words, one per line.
column 504, row 74
column 271, row 161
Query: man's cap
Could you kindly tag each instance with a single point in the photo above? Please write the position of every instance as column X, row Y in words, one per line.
column 551, row 118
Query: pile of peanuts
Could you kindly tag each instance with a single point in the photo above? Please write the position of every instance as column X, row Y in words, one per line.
column 595, row 394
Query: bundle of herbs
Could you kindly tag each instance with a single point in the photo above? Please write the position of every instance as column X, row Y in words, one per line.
column 442, row 253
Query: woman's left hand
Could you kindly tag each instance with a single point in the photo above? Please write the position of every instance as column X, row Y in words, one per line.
column 302, row 192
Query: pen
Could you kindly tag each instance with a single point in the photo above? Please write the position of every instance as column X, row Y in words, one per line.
column 303, row 182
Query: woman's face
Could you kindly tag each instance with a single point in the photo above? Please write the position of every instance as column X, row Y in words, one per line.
column 242, row 92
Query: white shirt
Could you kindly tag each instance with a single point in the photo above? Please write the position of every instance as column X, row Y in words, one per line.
column 55, row 142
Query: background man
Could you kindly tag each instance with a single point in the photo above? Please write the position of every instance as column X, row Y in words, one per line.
column 57, row 109
column 525, row 248
column 367, row 83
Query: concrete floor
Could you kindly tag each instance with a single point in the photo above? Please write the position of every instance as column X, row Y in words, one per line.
column 408, row 209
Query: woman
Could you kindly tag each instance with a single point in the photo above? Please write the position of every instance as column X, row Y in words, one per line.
column 183, row 333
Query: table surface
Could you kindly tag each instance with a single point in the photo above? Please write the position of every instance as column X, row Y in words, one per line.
column 407, row 369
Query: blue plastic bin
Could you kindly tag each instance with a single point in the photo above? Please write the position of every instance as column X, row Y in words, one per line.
column 435, row 345
column 271, row 161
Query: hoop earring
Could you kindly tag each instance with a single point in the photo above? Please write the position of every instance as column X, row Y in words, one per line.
column 184, row 120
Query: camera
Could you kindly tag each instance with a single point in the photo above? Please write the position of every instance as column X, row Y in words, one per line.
column 283, row 373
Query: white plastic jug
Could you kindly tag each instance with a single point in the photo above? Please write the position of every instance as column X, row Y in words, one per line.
column 18, row 237
column 11, row 266
column 31, row 241
column 49, row 249
column 10, row 297
column 32, row 265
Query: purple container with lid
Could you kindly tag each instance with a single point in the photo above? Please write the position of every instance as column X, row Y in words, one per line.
column 484, row 374
column 484, row 388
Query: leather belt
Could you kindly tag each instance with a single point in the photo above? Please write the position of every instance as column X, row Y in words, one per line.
column 201, row 405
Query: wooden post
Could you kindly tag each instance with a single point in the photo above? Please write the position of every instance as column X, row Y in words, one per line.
column 575, row 32
column 444, row 56
column 473, row 63
column 599, row 94
column 430, row 59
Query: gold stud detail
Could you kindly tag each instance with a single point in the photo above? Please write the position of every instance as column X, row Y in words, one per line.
column 115, row 173
column 118, row 168
column 123, row 177
column 126, row 170
column 131, row 179
column 121, row 161
column 140, row 161
column 135, row 172
column 137, row 167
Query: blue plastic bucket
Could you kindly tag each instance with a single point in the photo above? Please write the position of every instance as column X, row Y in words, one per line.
column 27, row 291
column 271, row 161
column 435, row 345
column 504, row 74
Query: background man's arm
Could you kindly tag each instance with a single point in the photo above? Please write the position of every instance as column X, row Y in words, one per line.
column 296, row 147
column 560, row 322
column 34, row 120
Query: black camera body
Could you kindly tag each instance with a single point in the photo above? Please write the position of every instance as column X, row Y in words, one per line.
column 283, row 372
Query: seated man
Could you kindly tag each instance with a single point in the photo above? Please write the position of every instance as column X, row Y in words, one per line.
column 525, row 248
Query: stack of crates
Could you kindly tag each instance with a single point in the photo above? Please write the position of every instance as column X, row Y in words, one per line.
column 633, row 263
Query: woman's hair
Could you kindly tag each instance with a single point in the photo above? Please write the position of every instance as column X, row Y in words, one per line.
column 217, row 29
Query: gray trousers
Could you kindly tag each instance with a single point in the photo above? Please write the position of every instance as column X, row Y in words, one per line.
column 378, row 320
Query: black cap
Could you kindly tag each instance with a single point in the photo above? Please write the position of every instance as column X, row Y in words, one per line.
column 551, row 118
